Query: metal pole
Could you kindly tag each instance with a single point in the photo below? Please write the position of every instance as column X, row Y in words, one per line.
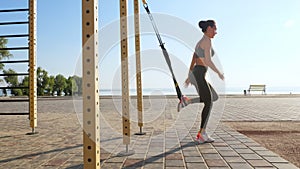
column 124, row 72
column 32, row 66
column 91, row 127
column 124, row 76
column 138, row 67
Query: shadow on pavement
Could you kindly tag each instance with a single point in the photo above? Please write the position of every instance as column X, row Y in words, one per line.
column 39, row 153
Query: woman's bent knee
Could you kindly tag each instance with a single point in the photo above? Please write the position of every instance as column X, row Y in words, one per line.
column 208, row 103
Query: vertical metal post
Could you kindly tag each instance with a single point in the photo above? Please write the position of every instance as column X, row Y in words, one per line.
column 138, row 66
column 32, row 66
column 91, row 127
column 124, row 72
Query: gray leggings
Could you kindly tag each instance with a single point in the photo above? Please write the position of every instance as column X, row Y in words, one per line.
column 206, row 92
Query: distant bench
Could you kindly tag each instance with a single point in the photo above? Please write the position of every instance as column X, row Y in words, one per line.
column 257, row 88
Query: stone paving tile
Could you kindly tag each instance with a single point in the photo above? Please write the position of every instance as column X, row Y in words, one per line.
column 191, row 153
column 190, row 146
column 133, row 163
column 266, row 153
column 153, row 166
column 223, row 148
column 228, row 153
column 72, row 165
column 254, row 144
column 234, row 159
column 198, row 159
column 115, row 159
column 259, row 163
column 208, row 151
column 251, row 156
column 219, row 144
column 255, row 109
column 204, row 146
column 174, row 156
column 196, row 165
column 56, row 162
column 276, row 159
column 138, row 156
column 243, row 151
column 285, row 166
column 243, row 165
column 174, row 163
column 156, row 159
column 215, row 163
column 211, row 156
column 239, row 146
column 257, row 148
column 111, row 165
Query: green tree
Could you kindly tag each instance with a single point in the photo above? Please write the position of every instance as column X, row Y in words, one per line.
column 3, row 53
column 50, row 87
column 60, row 84
column 42, row 81
column 12, row 81
column 74, row 87
column 78, row 81
column 25, row 83
column 71, row 87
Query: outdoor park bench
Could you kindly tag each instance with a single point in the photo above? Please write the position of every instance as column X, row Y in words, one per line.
column 257, row 88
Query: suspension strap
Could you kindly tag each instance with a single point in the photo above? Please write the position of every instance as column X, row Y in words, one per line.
column 165, row 53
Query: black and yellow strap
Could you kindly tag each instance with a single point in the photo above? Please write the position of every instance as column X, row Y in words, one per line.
column 165, row 53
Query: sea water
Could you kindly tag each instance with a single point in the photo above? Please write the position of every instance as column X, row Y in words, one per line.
column 192, row 91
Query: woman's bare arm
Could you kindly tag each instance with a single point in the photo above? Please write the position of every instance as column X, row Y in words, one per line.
column 208, row 61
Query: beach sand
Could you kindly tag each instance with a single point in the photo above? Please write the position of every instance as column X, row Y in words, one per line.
column 281, row 137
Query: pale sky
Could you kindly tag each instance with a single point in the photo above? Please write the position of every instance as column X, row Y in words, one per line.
column 257, row 40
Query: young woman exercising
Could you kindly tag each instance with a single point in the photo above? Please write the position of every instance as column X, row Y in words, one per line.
column 198, row 68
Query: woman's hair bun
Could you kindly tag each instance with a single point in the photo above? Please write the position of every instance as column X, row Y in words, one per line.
column 202, row 24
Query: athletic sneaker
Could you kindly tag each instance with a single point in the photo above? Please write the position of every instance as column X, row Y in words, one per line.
column 207, row 138
column 204, row 138
column 199, row 138
column 182, row 103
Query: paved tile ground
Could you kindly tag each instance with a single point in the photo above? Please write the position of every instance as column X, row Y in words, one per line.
column 169, row 142
column 260, row 108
